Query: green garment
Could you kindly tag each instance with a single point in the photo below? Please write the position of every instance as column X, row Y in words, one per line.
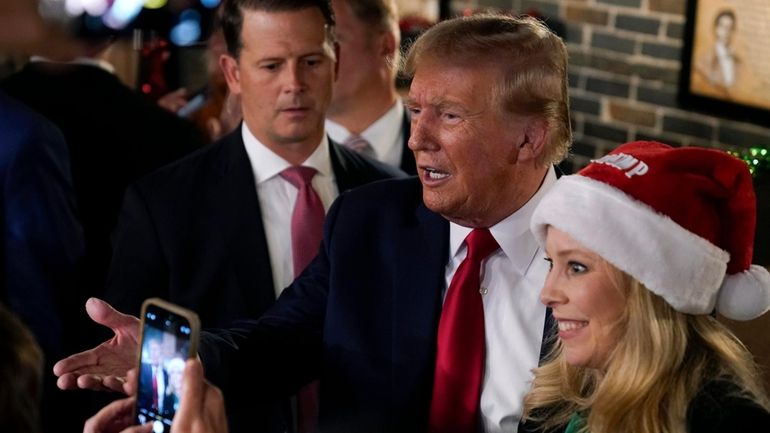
column 576, row 423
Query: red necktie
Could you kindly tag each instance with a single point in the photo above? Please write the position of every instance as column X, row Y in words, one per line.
column 460, row 350
column 154, row 388
column 307, row 221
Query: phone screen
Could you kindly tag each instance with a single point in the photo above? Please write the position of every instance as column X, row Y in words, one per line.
column 166, row 345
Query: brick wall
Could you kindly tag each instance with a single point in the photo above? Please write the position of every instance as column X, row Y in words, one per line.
column 625, row 63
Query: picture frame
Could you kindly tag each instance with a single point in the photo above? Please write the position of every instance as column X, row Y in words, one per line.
column 726, row 59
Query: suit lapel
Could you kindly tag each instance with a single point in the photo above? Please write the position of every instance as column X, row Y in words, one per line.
column 422, row 250
column 237, row 205
column 342, row 168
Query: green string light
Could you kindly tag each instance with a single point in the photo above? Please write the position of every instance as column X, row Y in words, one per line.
column 758, row 159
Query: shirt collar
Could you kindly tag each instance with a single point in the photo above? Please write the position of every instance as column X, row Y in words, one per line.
column 381, row 134
column 267, row 164
column 98, row 63
column 512, row 233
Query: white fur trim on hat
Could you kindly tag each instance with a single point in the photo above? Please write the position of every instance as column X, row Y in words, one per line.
column 671, row 261
column 745, row 295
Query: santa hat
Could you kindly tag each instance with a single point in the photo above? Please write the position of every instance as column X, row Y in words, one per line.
column 679, row 220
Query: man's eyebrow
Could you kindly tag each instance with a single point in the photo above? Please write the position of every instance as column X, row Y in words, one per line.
column 438, row 102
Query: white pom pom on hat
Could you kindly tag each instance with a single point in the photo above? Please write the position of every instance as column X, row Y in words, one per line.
column 679, row 220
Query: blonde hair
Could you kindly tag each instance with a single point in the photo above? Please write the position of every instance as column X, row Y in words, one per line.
column 21, row 376
column 532, row 59
column 661, row 360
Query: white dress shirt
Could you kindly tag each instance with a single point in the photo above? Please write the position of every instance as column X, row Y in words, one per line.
column 513, row 315
column 277, row 197
column 386, row 134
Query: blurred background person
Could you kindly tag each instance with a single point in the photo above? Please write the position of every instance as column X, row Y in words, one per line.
column 366, row 112
column 113, row 134
column 639, row 349
column 42, row 240
column 214, row 110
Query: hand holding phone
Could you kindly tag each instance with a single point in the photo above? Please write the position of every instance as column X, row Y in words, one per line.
column 169, row 338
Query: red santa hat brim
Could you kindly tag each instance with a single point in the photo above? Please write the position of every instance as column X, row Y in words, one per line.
column 686, row 270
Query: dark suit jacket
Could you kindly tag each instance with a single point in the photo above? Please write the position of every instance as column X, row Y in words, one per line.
column 114, row 137
column 408, row 164
column 719, row 407
column 41, row 240
column 363, row 317
column 144, row 392
column 191, row 233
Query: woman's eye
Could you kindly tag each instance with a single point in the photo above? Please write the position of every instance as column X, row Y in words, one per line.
column 550, row 263
column 577, row 268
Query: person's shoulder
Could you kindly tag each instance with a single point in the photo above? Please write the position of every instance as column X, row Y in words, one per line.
column 18, row 116
column 385, row 197
column 200, row 165
column 722, row 406
column 20, row 126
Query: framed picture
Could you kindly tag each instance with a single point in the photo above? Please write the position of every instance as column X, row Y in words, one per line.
column 726, row 59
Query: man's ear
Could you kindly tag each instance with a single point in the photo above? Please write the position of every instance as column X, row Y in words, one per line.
column 534, row 140
column 388, row 44
column 229, row 66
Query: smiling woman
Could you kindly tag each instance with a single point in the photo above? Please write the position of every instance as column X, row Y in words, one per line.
column 636, row 271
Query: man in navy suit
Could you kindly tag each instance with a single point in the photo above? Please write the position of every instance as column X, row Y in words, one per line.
column 489, row 118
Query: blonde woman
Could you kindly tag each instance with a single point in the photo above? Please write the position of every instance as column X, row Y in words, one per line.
column 655, row 239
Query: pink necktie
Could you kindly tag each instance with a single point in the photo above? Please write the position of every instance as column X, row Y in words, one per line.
column 307, row 219
column 306, row 232
column 460, row 351
column 360, row 145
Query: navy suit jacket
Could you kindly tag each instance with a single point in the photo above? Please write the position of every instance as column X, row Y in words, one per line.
column 363, row 317
column 41, row 239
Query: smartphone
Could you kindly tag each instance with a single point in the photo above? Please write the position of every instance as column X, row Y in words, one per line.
column 169, row 337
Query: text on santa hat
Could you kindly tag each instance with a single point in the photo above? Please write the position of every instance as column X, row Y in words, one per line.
column 624, row 162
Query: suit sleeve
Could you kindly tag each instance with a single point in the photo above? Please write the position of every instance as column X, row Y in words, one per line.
column 43, row 238
column 138, row 269
column 282, row 350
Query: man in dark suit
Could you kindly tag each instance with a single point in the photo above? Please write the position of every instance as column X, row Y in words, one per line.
column 114, row 137
column 380, row 315
column 153, row 379
column 365, row 102
column 212, row 232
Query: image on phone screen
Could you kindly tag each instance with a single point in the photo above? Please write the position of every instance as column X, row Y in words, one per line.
column 166, row 339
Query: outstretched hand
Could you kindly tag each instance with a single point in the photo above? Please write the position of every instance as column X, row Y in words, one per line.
column 105, row 366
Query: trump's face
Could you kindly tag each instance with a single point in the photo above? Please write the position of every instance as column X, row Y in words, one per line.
column 466, row 147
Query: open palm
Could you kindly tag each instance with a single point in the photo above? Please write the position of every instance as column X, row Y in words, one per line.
column 105, row 366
